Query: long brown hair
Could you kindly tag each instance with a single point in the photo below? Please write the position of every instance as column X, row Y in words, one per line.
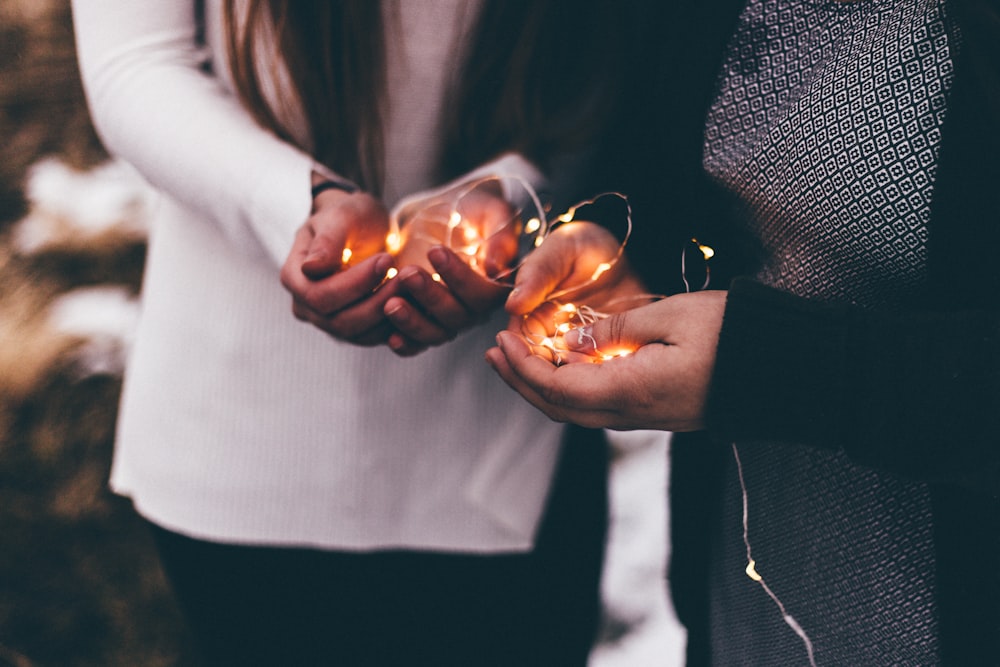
column 539, row 78
column 346, row 137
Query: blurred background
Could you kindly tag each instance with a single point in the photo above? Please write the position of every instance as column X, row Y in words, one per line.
column 79, row 581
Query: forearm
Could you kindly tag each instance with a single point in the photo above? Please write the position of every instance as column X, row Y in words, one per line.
column 914, row 393
column 155, row 107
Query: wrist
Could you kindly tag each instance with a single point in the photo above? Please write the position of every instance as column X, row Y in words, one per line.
column 324, row 184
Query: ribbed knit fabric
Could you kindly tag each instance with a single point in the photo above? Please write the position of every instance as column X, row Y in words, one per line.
column 826, row 128
column 241, row 424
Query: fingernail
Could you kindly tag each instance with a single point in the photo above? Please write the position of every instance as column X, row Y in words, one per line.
column 316, row 256
column 397, row 313
column 500, row 340
column 584, row 338
column 414, row 281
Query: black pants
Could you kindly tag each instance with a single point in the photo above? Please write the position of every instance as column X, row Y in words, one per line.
column 275, row 606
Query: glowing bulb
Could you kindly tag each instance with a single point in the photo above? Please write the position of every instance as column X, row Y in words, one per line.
column 345, row 256
column 601, row 268
column 391, row 273
column 605, row 356
column 538, row 240
column 707, row 251
column 563, row 328
column 533, row 226
column 752, row 570
column 456, row 219
column 567, row 216
column 393, row 242
column 469, row 233
column 567, row 308
column 436, row 277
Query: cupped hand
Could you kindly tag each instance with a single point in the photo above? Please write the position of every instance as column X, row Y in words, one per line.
column 579, row 261
column 337, row 290
column 662, row 383
column 446, row 284
column 430, row 312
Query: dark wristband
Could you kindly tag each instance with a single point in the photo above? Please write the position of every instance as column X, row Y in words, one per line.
column 349, row 188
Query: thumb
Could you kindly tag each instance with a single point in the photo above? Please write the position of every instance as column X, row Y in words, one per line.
column 537, row 278
column 325, row 253
column 616, row 334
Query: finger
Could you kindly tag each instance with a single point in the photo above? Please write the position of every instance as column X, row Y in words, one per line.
column 403, row 346
column 325, row 253
column 414, row 325
column 500, row 252
column 540, row 275
column 336, row 292
column 291, row 271
column 623, row 332
column 353, row 319
column 434, row 298
column 506, row 359
column 476, row 294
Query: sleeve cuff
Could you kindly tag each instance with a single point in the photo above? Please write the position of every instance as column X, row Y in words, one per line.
column 780, row 369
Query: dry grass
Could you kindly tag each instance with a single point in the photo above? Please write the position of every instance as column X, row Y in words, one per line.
column 79, row 583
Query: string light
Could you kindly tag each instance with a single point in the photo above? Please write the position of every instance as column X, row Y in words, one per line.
column 393, row 242
column 551, row 326
column 751, row 569
column 707, row 253
column 569, row 319
column 438, row 218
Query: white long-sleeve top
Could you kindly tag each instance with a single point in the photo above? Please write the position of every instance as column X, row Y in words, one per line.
column 241, row 424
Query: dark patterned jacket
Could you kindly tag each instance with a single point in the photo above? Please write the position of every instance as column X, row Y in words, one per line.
column 909, row 393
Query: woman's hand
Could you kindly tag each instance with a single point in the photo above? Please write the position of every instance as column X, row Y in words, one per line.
column 430, row 312
column 334, row 291
column 466, row 257
column 663, row 383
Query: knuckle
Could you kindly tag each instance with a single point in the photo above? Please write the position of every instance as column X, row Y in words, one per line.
column 617, row 326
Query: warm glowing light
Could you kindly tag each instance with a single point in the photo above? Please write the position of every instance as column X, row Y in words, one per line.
column 470, row 234
column 567, row 308
column 436, row 277
column 456, row 219
column 548, row 342
column 345, row 256
column 393, row 242
column 601, row 268
column 752, row 570
column 539, row 240
column 564, row 328
column 707, row 251
column 533, row 226
column 391, row 273
column 567, row 216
